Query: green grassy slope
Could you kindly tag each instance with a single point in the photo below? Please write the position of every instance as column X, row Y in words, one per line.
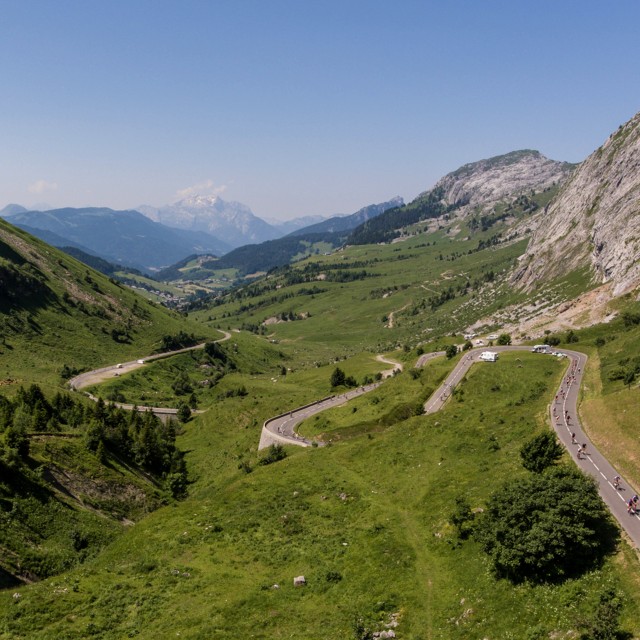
column 366, row 522
column 61, row 502
column 55, row 311
column 376, row 297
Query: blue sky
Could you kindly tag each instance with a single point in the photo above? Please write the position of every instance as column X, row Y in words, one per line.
column 298, row 107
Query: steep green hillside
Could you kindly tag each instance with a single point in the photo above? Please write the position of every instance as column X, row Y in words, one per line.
column 72, row 474
column 375, row 297
column 58, row 315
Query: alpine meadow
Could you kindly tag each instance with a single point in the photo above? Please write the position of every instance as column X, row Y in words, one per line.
column 353, row 414
column 121, row 522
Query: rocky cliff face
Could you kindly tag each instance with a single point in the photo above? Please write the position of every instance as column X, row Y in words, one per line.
column 502, row 177
column 594, row 221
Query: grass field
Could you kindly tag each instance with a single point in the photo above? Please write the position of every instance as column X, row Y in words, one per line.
column 365, row 521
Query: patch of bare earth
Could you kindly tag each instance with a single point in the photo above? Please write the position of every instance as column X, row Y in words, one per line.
column 83, row 489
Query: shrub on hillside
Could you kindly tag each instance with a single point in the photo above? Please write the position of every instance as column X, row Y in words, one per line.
column 572, row 336
column 541, row 452
column 462, row 517
column 183, row 412
column 275, row 453
column 603, row 623
column 547, row 527
column 337, row 377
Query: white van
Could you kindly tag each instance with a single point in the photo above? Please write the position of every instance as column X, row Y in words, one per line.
column 488, row 356
column 541, row 348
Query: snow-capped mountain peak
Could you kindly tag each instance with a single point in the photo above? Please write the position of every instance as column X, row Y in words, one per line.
column 232, row 222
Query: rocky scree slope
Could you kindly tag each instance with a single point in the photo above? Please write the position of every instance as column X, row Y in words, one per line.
column 594, row 221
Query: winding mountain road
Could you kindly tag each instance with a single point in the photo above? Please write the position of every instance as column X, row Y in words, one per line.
column 563, row 414
column 281, row 429
column 105, row 373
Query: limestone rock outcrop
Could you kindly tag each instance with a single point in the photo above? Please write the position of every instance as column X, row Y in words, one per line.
column 594, row 221
column 501, row 177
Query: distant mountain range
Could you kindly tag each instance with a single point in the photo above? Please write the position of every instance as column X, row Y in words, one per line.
column 122, row 237
column 155, row 238
column 158, row 237
column 338, row 224
column 231, row 221
column 322, row 236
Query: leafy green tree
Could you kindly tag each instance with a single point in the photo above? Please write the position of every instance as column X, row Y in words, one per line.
column 275, row 453
column 215, row 351
column 338, row 377
column 94, row 434
column 451, row 351
column 350, row 381
column 16, row 438
column 504, row 339
column 630, row 318
column 184, row 412
column 629, row 377
column 182, row 384
column 572, row 336
column 540, row 452
column 546, row 527
column 101, row 452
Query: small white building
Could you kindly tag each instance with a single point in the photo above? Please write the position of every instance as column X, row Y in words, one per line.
column 488, row 356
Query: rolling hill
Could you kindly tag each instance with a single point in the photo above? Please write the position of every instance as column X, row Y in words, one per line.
column 56, row 311
column 73, row 474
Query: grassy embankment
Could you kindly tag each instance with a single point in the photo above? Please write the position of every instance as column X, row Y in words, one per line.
column 380, row 297
column 60, row 504
column 610, row 405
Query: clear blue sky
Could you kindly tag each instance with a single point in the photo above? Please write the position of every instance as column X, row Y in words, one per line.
column 299, row 107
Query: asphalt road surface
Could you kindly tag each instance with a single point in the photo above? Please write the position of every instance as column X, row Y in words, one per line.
column 105, row 373
column 562, row 413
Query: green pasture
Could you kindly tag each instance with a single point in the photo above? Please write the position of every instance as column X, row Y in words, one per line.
column 364, row 520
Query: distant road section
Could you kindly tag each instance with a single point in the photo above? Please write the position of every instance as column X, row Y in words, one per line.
column 281, row 429
column 106, row 373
